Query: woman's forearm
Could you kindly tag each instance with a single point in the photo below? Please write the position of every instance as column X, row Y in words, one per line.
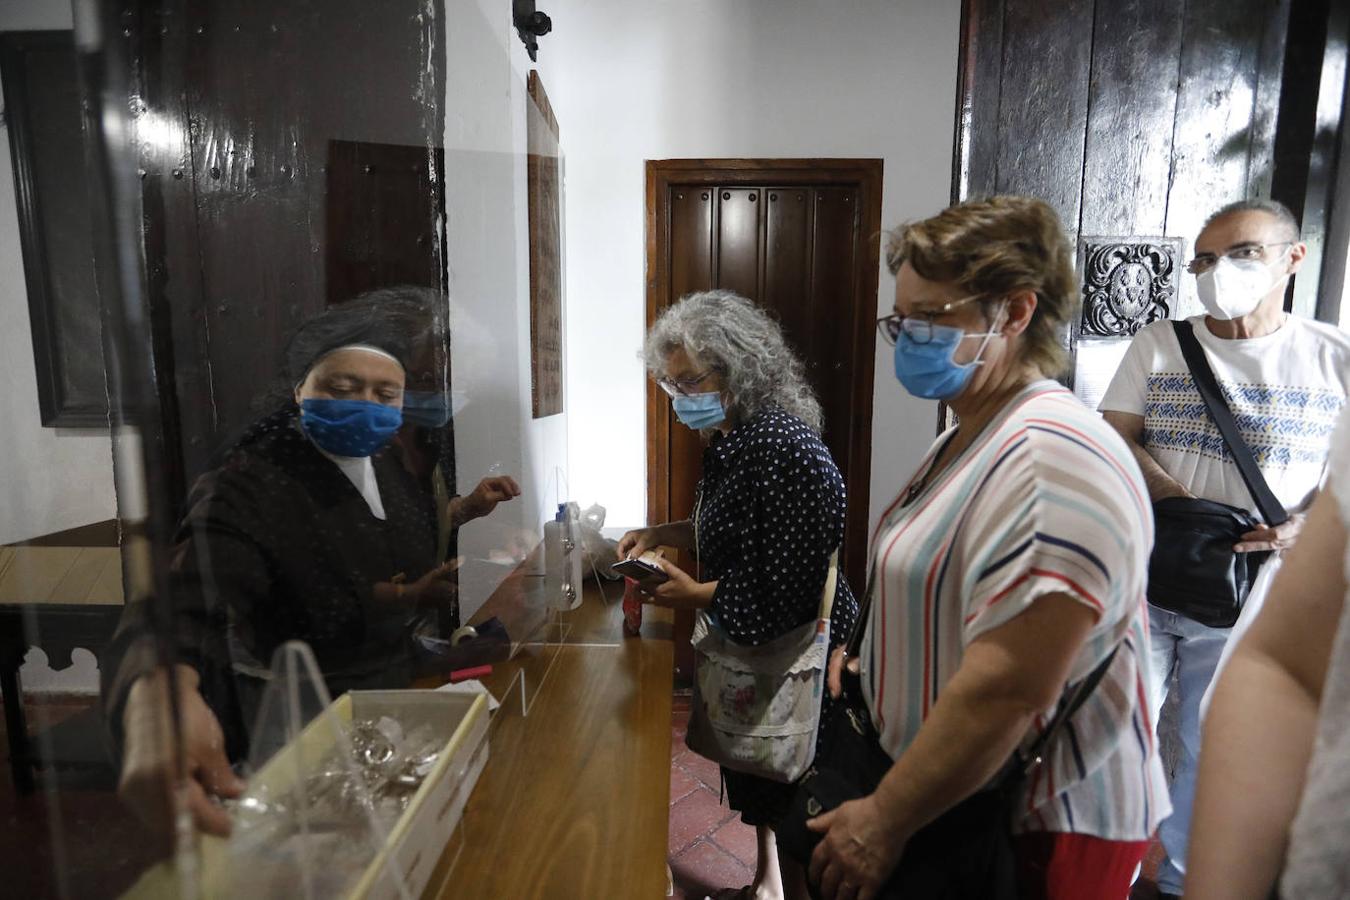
column 962, row 745
column 679, row 535
column 1258, row 735
column 1007, row 676
column 1257, row 741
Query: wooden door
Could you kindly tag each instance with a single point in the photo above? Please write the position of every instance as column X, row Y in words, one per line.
column 262, row 202
column 1137, row 120
column 801, row 238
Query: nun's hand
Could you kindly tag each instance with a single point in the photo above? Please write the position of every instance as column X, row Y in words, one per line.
column 434, row 589
column 484, row 498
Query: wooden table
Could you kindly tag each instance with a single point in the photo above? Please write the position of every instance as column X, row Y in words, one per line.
column 574, row 801
column 58, row 599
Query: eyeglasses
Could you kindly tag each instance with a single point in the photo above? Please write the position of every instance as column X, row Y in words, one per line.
column 1203, row 262
column 686, row 386
column 919, row 325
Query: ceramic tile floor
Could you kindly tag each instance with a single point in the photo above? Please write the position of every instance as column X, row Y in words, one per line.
column 709, row 847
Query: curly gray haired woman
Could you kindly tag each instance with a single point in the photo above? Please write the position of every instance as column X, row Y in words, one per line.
column 770, row 508
column 730, row 335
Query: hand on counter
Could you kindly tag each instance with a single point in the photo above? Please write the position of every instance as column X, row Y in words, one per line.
column 150, row 764
column 428, row 592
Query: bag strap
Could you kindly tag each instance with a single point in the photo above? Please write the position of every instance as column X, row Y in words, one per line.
column 1033, row 756
column 1271, row 509
column 831, row 585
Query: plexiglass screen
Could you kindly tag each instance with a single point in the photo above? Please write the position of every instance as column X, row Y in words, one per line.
column 282, row 297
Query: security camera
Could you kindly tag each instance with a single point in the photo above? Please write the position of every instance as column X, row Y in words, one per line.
column 531, row 24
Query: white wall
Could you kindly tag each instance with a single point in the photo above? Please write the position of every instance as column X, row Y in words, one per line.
column 50, row 479
column 714, row 78
column 488, row 241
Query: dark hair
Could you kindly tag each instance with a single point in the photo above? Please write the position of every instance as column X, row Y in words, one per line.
column 338, row 326
column 996, row 247
column 394, row 319
column 1270, row 207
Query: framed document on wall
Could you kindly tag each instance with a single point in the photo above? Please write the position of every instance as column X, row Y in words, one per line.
column 544, row 174
column 46, row 142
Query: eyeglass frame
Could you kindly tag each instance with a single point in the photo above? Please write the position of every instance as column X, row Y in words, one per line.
column 924, row 316
column 1210, row 260
column 683, row 386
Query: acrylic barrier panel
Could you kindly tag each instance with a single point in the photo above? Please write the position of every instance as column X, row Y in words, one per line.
column 320, row 321
column 71, row 489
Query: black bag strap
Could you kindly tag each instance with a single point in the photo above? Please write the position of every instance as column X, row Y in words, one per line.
column 1032, row 757
column 1271, row 509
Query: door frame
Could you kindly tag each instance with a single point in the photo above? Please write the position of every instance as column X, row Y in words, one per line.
column 866, row 174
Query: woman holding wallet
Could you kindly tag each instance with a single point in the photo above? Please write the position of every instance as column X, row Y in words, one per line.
column 770, row 508
column 1009, row 570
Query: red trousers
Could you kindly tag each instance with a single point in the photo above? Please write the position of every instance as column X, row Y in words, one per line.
column 1056, row 866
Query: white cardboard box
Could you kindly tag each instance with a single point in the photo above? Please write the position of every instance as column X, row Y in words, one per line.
column 417, row 839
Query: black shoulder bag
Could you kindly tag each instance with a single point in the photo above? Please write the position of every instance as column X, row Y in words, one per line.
column 1193, row 570
column 964, row 854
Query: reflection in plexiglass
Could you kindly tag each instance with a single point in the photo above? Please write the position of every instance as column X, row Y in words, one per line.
column 313, row 474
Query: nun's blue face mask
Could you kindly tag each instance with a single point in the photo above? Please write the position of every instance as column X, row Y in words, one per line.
column 349, row 427
column 350, row 401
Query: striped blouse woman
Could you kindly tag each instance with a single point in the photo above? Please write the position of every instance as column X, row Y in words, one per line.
column 1008, row 568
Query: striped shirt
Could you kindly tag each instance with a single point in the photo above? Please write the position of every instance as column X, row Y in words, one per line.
column 1046, row 500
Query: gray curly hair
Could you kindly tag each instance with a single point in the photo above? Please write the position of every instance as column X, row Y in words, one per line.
column 725, row 331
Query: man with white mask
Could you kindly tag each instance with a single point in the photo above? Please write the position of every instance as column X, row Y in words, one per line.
column 1285, row 379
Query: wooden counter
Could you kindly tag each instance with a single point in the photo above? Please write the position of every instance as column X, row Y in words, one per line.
column 574, row 801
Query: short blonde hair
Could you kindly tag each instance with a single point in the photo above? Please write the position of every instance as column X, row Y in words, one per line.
column 996, row 247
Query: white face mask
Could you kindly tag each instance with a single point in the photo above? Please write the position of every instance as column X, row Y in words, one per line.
column 1235, row 287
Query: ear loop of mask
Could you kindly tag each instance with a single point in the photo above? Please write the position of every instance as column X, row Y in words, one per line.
column 993, row 332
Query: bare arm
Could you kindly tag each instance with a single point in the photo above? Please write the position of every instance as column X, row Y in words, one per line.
column 1007, row 676
column 1131, row 428
column 1259, row 733
column 679, row 535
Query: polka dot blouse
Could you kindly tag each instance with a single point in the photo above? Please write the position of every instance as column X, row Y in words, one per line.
column 770, row 513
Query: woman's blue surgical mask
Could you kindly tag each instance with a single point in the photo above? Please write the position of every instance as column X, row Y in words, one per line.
column 699, row 411
column 428, row 409
column 927, row 370
column 432, row 409
column 349, row 427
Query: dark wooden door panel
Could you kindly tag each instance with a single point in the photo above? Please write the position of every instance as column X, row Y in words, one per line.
column 787, row 265
column 737, row 245
column 1132, row 109
column 691, row 240
column 1138, row 119
column 1220, row 67
column 802, row 239
column 980, row 80
column 833, row 320
column 381, row 218
column 692, row 244
column 241, row 101
column 1047, row 48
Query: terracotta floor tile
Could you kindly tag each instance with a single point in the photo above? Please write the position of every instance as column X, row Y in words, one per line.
column 738, row 839
column 705, row 770
column 693, row 817
column 705, row 868
column 682, row 784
